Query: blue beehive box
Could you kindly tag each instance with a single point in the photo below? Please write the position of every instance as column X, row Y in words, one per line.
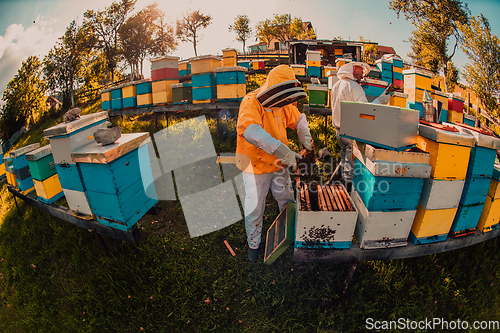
column 443, row 116
column 204, row 93
column 113, row 176
column 230, row 75
column 129, row 102
column 19, row 156
column 116, row 93
column 143, row 87
column 203, row 80
column 397, row 76
column 314, row 71
column 70, row 177
column 106, row 105
column 416, row 106
column 385, row 66
column 116, row 104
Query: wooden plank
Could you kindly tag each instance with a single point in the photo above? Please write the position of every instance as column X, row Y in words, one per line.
column 337, row 197
column 327, row 198
column 409, row 251
column 329, row 190
column 321, row 199
column 65, row 214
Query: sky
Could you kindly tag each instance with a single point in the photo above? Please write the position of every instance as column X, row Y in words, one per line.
column 32, row 27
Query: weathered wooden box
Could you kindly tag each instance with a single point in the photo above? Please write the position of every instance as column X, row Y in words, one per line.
column 77, row 201
column 281, row 234
column 385, row 126
column 164, row 62
column 299, row 70
column 66, row 137
column 326, row 217
column 449, row 151
column 381, row 229
column 313, row 55
column 41, row 163
column 113, row 180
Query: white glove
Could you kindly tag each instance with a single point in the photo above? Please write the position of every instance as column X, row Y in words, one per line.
column 305, row 138
column 383, row 99
column 287, row 157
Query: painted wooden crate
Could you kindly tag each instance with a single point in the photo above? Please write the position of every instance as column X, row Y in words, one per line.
column 66, row 137
column 246, row 64
column 318, row 94
column 162, row 91
column 203, row 80
column 382, row 188
column 326, row 217
column 299, row 70
column 441, row 97
column 376, row 230
column 384, row 65
column 313, row 55
column 416, row 78
column 229, row 57
column 143, row 87
column 184, row 68
column 182, row 93
column 373, row 87
column 231, row 92
column 113, row 178
column 19, row 160
column 105, row 99
column 204, row 94
column 431, row 225
column 41, row 163
column 70, row 177
column 281, row 234
column 144, row 100
column 449, row 151
column 48, row 190
column 204, row 64
column 381, row 125
column 415, row 94
column 165, row 67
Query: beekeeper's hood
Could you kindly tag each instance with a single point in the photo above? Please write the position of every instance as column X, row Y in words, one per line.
column 345, row 71
column 281, row 88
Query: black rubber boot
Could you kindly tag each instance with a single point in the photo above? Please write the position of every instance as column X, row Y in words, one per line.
column 253, row 254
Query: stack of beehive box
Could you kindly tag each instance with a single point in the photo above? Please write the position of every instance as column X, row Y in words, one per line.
column 373, row 88
column 229, row 58
column 182, row 93
column 64, row 139
column 313, row 63
column 144, row 91
column 416, row 82
column 397, row 71
column 455, row 109
column 318, row 94
column 2, row 165
column 184, row 68
column 490, row 217
column 326, row 217
column 258, row 65
column 441, row 193
column 43, row 171
column 105, row 99
column 203, row 78
column 385, row 68
column 339, row 62
column 24, row 181
column 231, row 83
column 327, row 69
column 116, row 98
column 477, row 182
column 387, row 188
column 440, row 100
column 114, row 177
column 164, row 72
column 129, row 95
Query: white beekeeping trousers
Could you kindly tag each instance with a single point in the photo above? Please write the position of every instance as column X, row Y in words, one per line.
column 256, row 189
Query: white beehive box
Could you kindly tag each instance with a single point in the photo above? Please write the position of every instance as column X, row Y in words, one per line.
column 385, row 126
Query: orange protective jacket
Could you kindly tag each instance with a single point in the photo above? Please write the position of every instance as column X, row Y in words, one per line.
column 273, row 120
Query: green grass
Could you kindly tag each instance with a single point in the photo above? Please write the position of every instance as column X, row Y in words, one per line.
column 55, row 277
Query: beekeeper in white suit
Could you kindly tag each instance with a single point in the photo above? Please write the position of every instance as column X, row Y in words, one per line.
column 347, row 89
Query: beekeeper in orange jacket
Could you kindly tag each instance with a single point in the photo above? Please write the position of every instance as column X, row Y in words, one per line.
column 263, row 118
column 347, row 89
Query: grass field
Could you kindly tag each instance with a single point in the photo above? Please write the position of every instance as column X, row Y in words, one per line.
column 55, row 277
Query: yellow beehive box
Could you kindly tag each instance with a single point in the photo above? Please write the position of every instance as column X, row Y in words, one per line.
column 231, row 91
column 2, row 169
column 313, row 63
column 414, row 94
column 105, row 96
column 163, row 86
column 183, row 65
column 327, row 69
column 128, row 91
column 204, row 101
column 229, row 53
column 229, row 62
column 11, row 179
column 432, row 223
column 48, row 188
column 415, row 78
column 494, row 190
column 440, row 97
column 299, row 70
column 144, row 99
column 398, row 99
column 204, row 64
column 397, row 69
column 339, row 52
column 490, row 215
column 162, row 97
column 455, row 117
column 448, row 161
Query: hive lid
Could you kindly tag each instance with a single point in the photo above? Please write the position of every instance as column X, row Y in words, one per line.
column 166, row 57
column 416, row 71
column 68, row 128
column 482, row 140
column 443, row 136
column 440, row 93
column 399, row 94
column 231, row 69
column 23, row 150
column 372, row 81
column 319, row 87
column 98, row 154
column 373, row 153
column 203, row 57
column 39, row 153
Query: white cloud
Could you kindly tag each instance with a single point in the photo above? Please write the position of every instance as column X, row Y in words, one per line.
column 18, row 43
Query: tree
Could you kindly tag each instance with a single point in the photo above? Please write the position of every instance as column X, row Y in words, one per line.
column 105, row 25
column 242, row 28
column 63, row 64
column 265, row 32
column 145, row 33
column 483, row 50
column 24, row 97
column 190, row 24
column 436, row 22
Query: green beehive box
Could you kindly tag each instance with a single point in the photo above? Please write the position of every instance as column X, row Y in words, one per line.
column 41, row 163
column 317, row 95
